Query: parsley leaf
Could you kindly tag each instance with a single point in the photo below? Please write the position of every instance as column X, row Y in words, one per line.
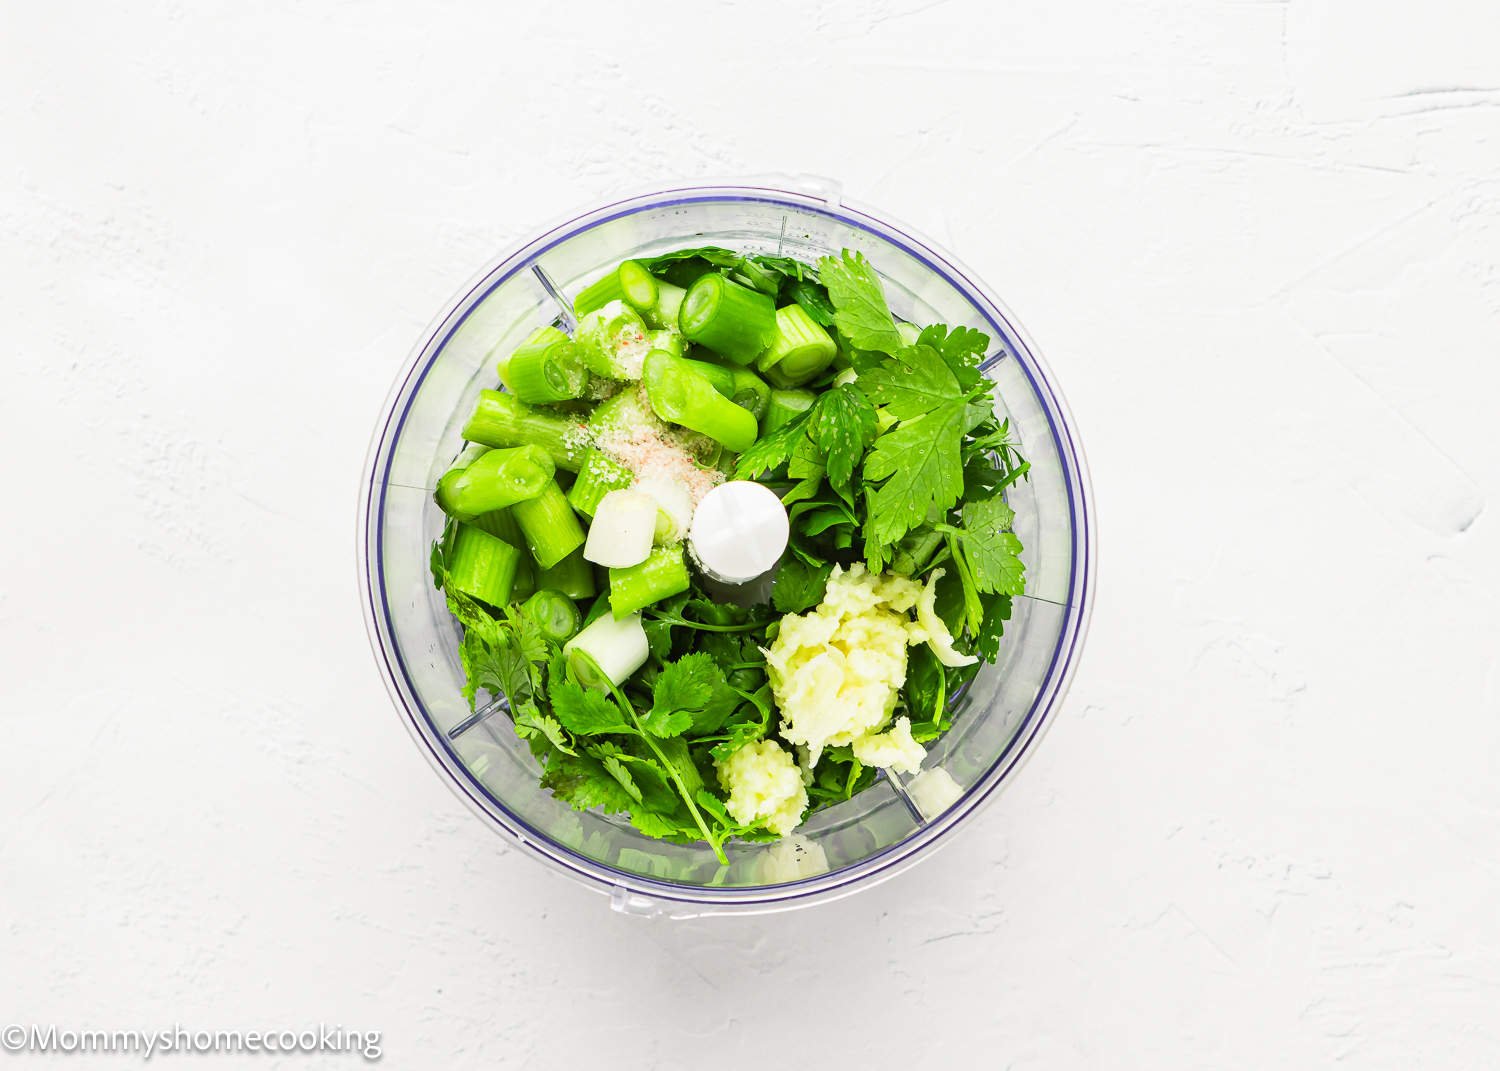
column 799, row 586
column 993, row 554
column 961, row 348
column 922, row 469
column 842, row 423
column 586, row 712
column 813, row 299
column 859, row 305
column 916, row 382
column 686, row 683
column 770, row 451
column 996, row 613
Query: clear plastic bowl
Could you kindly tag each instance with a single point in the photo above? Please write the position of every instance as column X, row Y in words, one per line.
column 854, row 845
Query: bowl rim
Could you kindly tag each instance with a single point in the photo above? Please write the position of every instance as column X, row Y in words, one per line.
column 638, row 893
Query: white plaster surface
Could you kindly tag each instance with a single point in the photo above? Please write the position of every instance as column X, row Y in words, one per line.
column 1260, row 245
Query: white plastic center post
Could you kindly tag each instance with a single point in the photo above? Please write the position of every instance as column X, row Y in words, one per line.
column 739, row 532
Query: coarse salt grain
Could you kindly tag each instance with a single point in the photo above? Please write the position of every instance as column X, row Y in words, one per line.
column 650, row 457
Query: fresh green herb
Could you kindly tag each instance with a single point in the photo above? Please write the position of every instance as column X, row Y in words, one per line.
column 860, row 311
column 893, row 454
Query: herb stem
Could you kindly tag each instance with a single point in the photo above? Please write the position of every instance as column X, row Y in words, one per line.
column 676, row 777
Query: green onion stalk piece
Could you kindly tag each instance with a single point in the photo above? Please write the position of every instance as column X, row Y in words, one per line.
column 668, row 304
column 607, row 651
column 784, row 405
column 554, row 613
column 549, row 526
column 573, row 576
column 732, row 320
column 498, row 479
column 683, row 396
column 502, row 420
column 545, row 369
column 597, row 477
column 660, row 576
column 622, row 412
column 800, row 350
column 612, row 341
column 598, row 294
column 502, row 525
column 638, row 286
column 750, row 392
column 481, row 565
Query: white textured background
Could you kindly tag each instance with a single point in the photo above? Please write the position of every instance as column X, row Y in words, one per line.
column 1260, row 244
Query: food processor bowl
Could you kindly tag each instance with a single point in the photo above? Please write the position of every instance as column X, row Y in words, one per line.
column 997, row 719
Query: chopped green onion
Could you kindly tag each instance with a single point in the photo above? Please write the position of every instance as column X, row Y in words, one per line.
column 500, row 524
column 660, row 576
column 637, row 285
column 607, row 651
column 573, row 576
column 800, row 350
column 498, row 479
column 612, row 341
column 668, row 339
column 501, row 420
column 481, row 565
column 732, row 320
column 554, row 613
column 597, row 477
column 719, row 375
column 668, row 304
column 545, row 368
column 549, row 525
column 622, row 412
column 598, row 294
column 443, row 493
column 750, row 392
column 684, row 396
column 621, row 534
column 785, row 404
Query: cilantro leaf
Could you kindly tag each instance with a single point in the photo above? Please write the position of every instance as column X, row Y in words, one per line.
column 770, row 451
column 686, row 683
column 582, row 782
column 616, row 769
column 993, row 554
column 920, row 463
column 690, row 693
column 586, row 712
column 917, row 381
column 667, row 723
column 858, row 300
column 663, row 827
column 799, row 586
column 842, row 423
column 739, row 736
column 530, row 723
